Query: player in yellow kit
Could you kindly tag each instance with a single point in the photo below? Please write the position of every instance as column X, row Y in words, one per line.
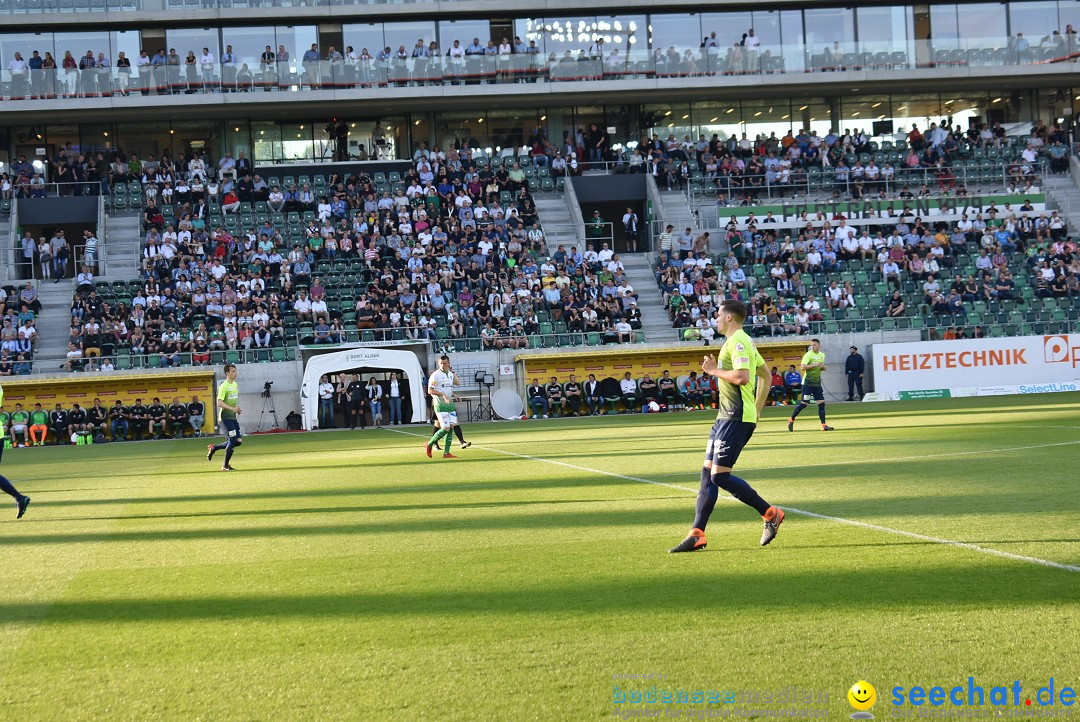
column 735, row 368
column 812, row 364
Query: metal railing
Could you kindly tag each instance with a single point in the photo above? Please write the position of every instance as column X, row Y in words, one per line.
column 250, row 74
column 474, row 339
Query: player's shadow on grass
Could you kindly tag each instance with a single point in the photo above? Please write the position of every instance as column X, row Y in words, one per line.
column 914, row 589
column 677, row 517
column 528, row 485
column 391, row 508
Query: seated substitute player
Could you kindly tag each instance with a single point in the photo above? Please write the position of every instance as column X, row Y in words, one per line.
column 228, row 400
column 21, row 501
column 196, row 415
column 691, row 392
column 537, row 396
column 628, row 388
column 668, row 389
column 158, row 414
column 738, row 408
column 555, row 398
column 441, row 388
column 793, row 384
column 650, row 390
column 139, row 419
column 178, row 417
column 777, row 392
column 20, row 426
column 573, row 395
column 39, row 425
column 58, row 423
column 813, row 363
column 118, row 421
column 593, row 397
column 96, row 417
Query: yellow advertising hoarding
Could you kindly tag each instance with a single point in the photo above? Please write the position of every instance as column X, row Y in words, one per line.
column 617, row 361
column 82, row 390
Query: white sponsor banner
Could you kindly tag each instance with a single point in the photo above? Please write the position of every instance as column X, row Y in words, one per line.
column 989, row 366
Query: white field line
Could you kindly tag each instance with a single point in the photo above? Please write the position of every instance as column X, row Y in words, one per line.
column 814, row 515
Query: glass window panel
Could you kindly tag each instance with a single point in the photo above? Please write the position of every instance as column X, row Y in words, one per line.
column 464, row 31
column 405, row 35
column 884, row 27
column 680, row 31
column 982, row 24
column 127, row 42
column 297, row 40
column 1036, row 20
column 825, row 26
column 363, row 36
column 788, row 51
column 25, row 44
column 194, row 40
column 145, row 139
column 944, row 23
column 249, row 43
column 725, row 29
column 297, row 142
column 1068, row 15
column 266, row 136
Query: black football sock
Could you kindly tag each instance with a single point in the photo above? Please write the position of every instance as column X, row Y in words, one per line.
column 821, row 412
column 742, row 491
column 706, row 499
column 7, row 487
column 798, row 408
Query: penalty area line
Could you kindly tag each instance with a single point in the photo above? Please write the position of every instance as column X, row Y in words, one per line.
column 801, row 512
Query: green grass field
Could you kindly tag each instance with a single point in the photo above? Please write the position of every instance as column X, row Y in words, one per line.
column 343, row 575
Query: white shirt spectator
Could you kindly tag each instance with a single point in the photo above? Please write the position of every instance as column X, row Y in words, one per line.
column 628, row 386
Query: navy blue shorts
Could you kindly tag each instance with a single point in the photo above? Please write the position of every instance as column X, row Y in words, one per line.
column 231, row 428
column 726, row 442
column 815, row 392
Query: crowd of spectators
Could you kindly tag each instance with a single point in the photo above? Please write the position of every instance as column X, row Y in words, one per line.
column 18, row 332
column 849, row 164
column 794, row 279
column 446, row 256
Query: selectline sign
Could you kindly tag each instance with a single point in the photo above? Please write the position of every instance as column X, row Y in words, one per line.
column 978, row 367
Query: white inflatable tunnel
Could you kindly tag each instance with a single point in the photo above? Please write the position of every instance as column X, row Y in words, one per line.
column 367, row 357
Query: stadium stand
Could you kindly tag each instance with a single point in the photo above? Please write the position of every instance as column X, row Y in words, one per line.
column 1005, row 275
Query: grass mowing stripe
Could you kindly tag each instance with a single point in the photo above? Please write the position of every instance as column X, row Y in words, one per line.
column 815, row 515
column 897, row 458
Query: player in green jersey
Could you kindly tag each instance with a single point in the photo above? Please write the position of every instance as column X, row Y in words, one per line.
column 228, row 401
column 812, row 364
column 735, row 368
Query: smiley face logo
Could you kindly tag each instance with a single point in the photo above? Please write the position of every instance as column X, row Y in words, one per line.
column 862, row 695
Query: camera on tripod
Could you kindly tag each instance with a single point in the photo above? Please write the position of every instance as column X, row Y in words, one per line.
column 266, row 389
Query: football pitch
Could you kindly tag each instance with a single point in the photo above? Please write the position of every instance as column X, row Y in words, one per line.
column 343, row 575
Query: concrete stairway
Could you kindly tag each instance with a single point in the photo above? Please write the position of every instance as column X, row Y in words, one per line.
column 676, row 211
column 53, row 322
column 558, row 226
column 654, row 318
column 1063, row 195
column 122, row 248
